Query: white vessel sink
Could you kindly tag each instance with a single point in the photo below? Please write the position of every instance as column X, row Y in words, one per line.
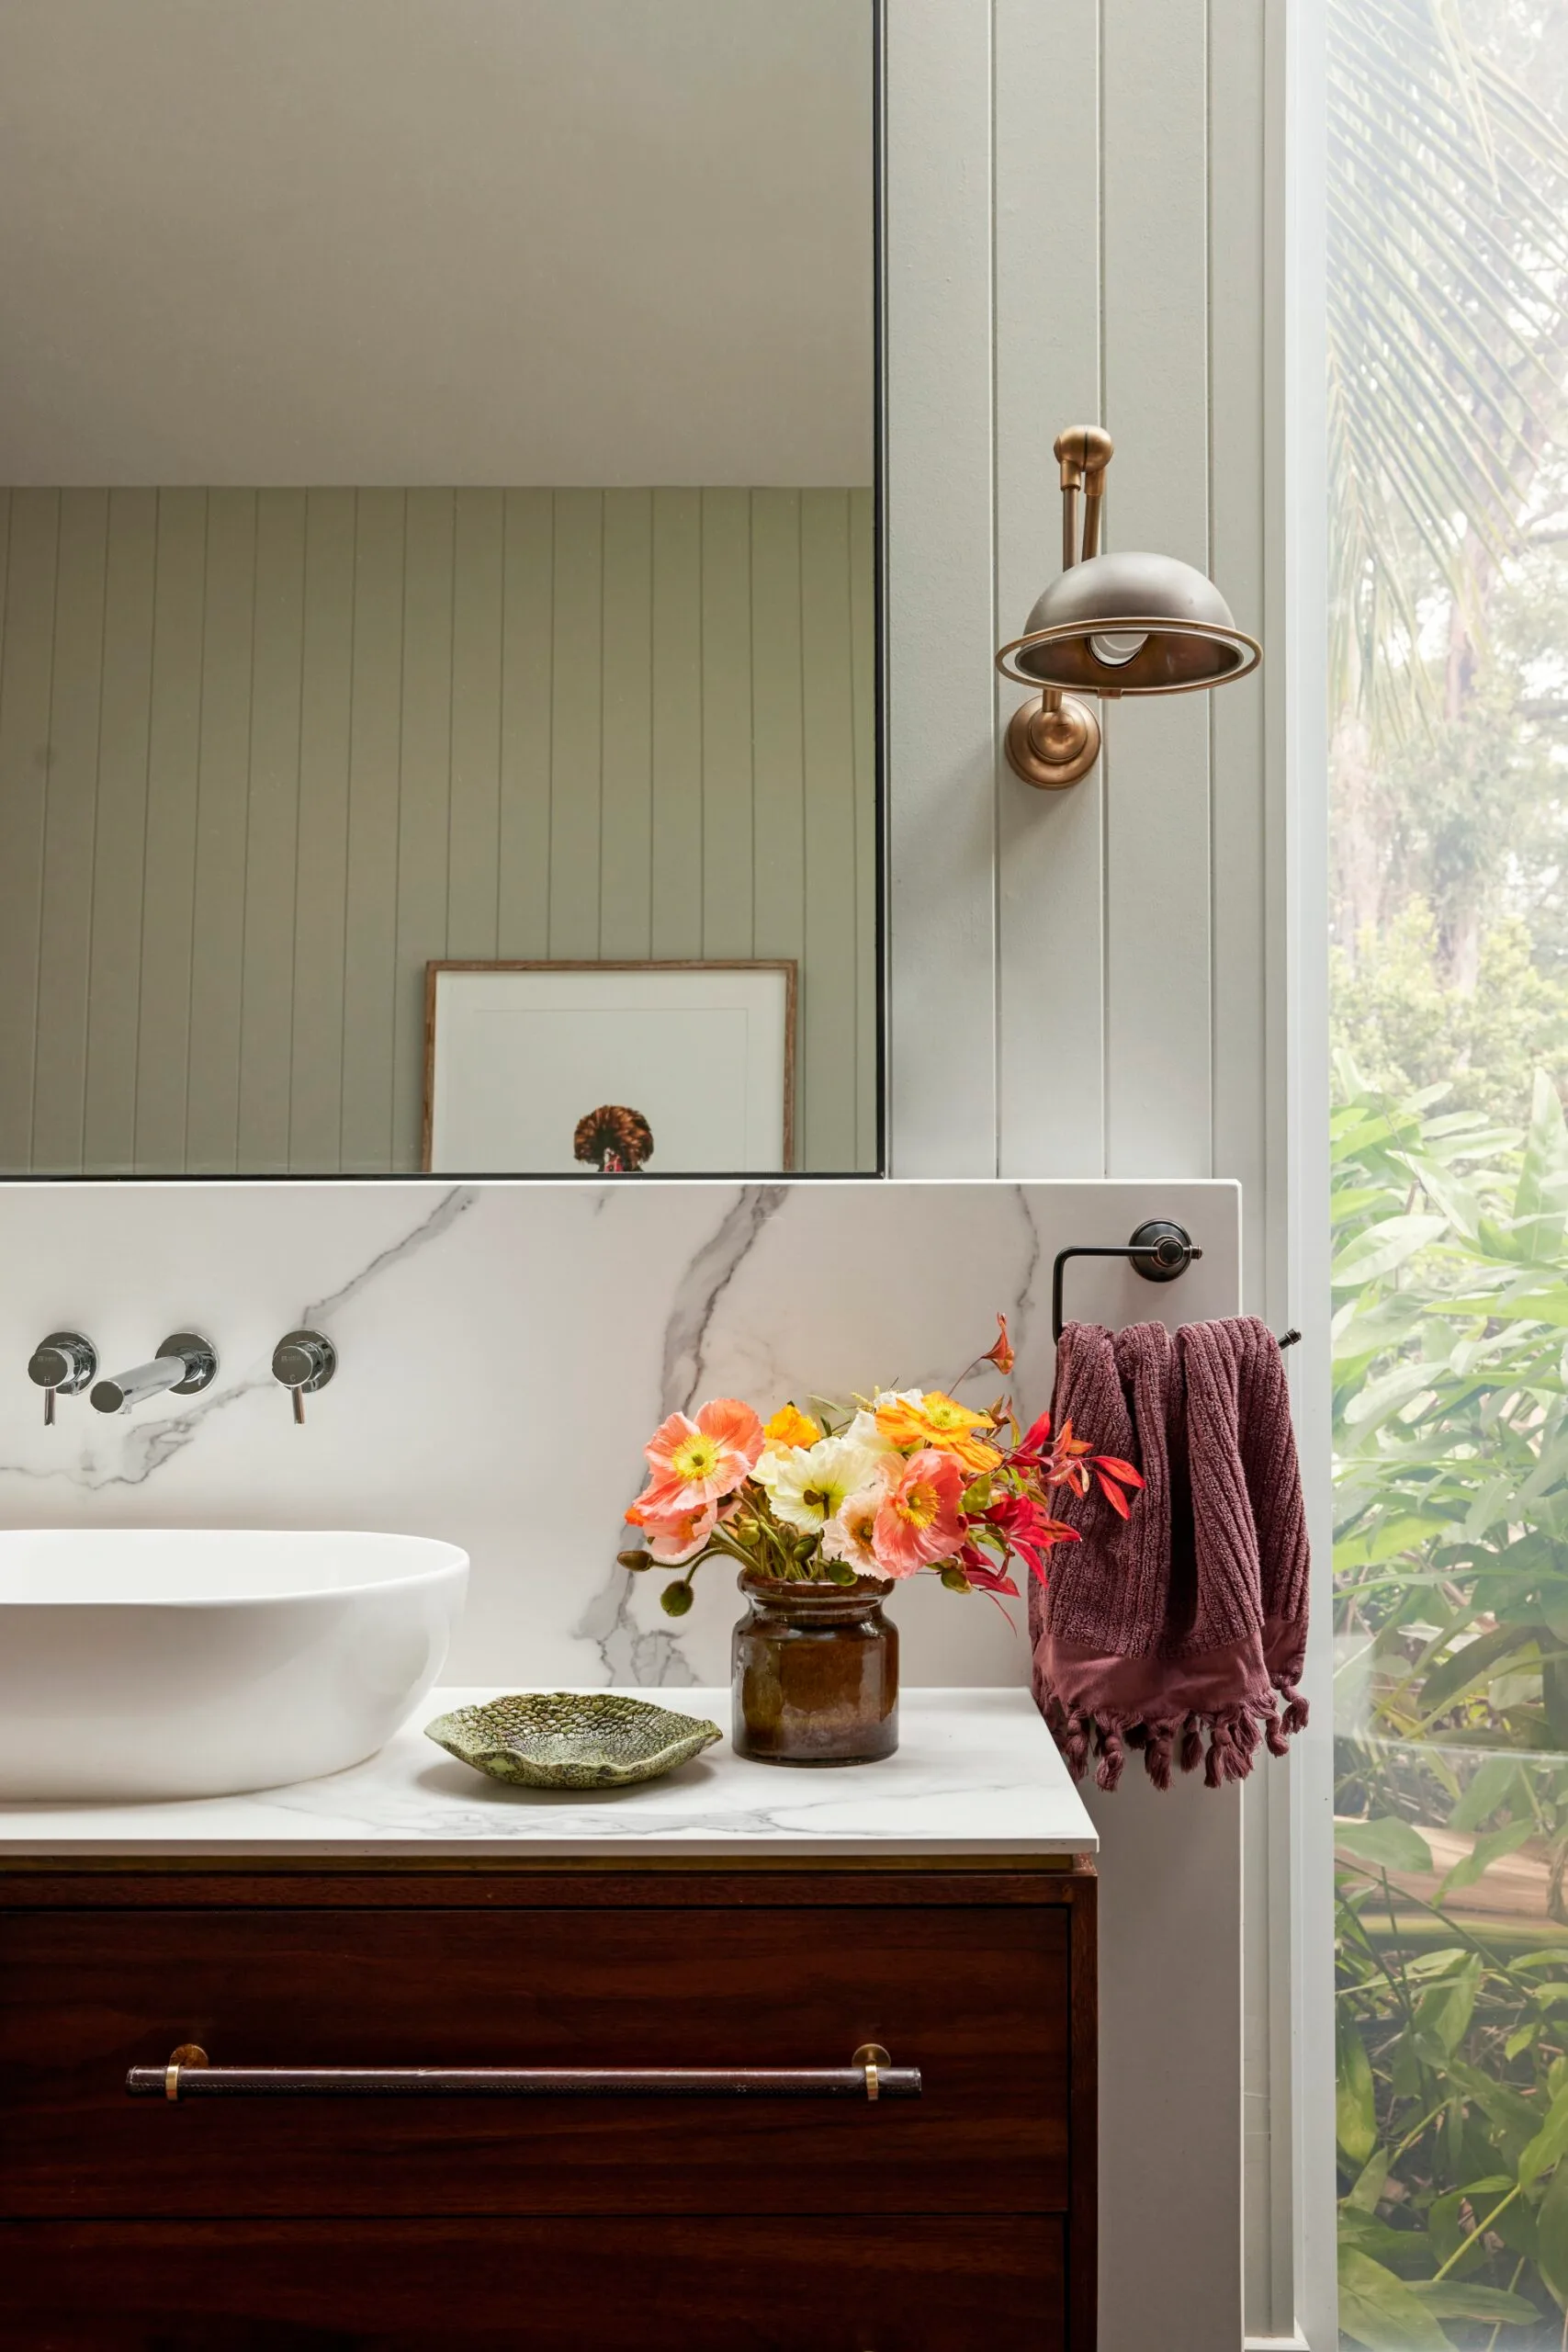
column 150, row 1662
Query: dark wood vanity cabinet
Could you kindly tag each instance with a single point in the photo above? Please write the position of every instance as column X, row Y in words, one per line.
column 285, row 2216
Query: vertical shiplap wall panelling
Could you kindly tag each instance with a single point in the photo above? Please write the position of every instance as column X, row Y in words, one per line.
column 727, row 723
column 173, row 753
column 27, row 663
column 68, row 750
column 577, row 723
column 321, row 883
column 272, row 829
column 828, row 708
column 213, row 1109
column 1051, row 866
column 778, row 772
column 523, row 862
column 424, row 796
column 677, row 723
column 940, row 606
column 279, row 749
column 625, row 858
column 120, row 837
column 474, row 807
column 1154, row 214
column 863, row 624
column 371, row 931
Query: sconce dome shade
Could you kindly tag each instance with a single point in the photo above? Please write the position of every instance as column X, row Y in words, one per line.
column 1130, row 625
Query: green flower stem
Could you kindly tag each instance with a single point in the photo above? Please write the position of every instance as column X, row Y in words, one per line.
column 1513, row 2284
column 1411, row 2137
column 724, row 1544
column 1479, row 2232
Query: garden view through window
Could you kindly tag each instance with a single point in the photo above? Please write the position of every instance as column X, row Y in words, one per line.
column 1448, row 296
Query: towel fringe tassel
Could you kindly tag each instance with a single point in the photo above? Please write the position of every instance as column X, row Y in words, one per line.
column 1234, row 1741
column 1112, row 1756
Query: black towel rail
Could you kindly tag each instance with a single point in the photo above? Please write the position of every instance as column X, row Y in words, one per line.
column 1158, row 1249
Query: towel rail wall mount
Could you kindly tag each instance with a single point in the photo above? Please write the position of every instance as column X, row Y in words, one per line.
column 1158, row 1249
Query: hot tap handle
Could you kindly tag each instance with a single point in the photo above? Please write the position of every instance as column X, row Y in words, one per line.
column 61, row 1365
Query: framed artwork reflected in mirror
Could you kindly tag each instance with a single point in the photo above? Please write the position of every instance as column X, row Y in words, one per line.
column 604, row 1069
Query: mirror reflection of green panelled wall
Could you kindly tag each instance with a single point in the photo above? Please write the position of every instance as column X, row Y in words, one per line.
column 439, row 657
column 264, row 753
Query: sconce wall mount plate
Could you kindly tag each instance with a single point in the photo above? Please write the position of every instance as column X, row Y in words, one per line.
column 1112, row 625
column 1053, row 742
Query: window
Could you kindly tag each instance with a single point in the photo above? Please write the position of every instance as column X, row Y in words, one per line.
column 1447, row 301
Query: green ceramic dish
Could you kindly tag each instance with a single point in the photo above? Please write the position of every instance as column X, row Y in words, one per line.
column 571, row 1739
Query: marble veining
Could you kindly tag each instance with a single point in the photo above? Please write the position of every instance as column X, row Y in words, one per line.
column 652, row 1653
column 505, row 1349
column 975, row 1774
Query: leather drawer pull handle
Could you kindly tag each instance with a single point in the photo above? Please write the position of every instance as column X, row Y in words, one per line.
column 869, row 2075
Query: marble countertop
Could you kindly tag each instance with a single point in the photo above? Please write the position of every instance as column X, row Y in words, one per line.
column 976, row 1774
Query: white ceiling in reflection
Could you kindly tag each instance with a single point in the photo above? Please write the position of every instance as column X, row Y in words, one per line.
column 435, row 240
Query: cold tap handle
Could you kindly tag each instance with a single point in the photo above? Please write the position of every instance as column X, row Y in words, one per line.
column 303, row 1362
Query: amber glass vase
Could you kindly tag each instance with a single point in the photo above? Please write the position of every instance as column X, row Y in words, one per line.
column 815, row 1673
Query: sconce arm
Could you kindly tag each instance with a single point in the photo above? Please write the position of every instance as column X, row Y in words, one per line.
column 1083, row 452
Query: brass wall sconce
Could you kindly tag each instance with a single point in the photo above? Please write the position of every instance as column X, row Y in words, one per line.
column 1112, row 625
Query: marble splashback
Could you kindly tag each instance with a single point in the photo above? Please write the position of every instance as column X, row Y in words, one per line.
column 505, row 1349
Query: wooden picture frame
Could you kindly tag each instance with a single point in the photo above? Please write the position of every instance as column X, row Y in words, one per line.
column 786, row 969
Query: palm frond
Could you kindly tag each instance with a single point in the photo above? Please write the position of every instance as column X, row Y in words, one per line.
column 1448, row 252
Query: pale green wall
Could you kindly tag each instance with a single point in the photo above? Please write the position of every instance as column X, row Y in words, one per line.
column 262, row 754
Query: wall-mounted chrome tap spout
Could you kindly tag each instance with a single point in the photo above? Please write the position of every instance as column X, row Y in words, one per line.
column 185, row 1364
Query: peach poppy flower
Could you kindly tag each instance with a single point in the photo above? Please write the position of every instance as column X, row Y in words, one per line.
column 921, row 1521
column 679, row 1535
column 850, row 1534
column 696, row 1462
column 939, row 1422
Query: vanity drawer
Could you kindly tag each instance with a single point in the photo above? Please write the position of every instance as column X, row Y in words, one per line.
column 827, row 2285
column 976, row 1996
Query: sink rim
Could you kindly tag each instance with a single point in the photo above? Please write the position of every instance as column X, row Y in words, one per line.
column 426, row 1559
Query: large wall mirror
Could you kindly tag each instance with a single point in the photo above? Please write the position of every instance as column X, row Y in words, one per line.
column 439, row 670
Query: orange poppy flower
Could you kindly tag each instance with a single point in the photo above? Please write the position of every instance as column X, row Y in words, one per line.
column 941, row 1423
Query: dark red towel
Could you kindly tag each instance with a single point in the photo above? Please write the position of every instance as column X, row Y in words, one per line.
column 1192, row 1613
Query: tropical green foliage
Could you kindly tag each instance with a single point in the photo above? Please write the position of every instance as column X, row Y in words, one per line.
column 1452, row 1575
column 1447, row 270
column 1407, row 1032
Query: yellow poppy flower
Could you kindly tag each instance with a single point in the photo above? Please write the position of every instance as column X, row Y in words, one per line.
column 940, row 1423
column 789, row 1426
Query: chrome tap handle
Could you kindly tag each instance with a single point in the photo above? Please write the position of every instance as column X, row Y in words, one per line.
column 61, row 1365
column 303, row 1362
column 185, row 1364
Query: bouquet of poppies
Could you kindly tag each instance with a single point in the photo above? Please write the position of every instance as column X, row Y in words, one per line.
column 887, row 1486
